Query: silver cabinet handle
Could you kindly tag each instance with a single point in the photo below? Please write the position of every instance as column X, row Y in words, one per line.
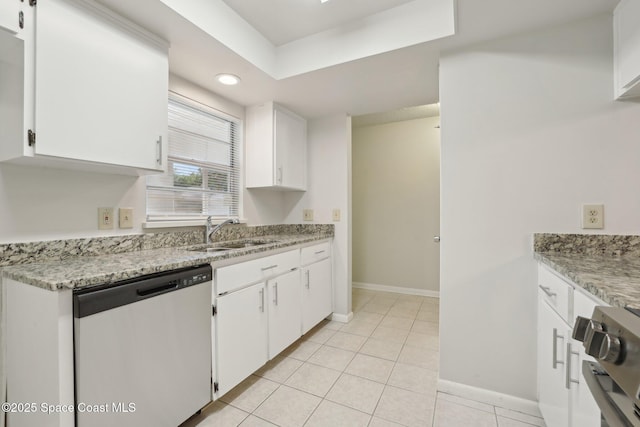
column 275, row 293
column 280, row 175
column 269, row 268
column 261, row 306
column 307, row 274
column 159, row 150
column 318, row 252
column 568, row 379
column 556, row 362
column 548, row 291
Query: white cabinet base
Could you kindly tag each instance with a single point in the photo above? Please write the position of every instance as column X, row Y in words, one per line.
column 284, row 311
column 39, row 357
column 241, row 335
column 317, row 295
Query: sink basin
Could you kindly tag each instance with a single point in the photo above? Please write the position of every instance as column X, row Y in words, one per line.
column 229, row 246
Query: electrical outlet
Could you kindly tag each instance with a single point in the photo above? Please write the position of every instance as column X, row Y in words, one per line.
column 307, row 214
column 336, row 214
column 592, row 216
column 126, row 217
column 105, row 218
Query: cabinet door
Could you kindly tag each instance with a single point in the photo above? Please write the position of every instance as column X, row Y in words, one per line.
column 627, row 45
column 284, row 311
column 317, row 294
column 241, row 334
column 290, row 135
column 584, row 409
column 553, row 396
column 101, row 89
column 9, row 10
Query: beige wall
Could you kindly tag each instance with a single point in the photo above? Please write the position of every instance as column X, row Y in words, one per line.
column 396, row 191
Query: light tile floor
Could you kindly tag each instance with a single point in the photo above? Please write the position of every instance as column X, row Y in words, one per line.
column 379, row 370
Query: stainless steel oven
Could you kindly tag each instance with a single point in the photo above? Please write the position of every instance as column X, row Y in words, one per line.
column 612, row 337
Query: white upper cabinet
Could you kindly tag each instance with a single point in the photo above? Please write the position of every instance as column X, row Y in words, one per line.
column 626, row 25
column 95, row 90
column 276, row 148
column 9, row 15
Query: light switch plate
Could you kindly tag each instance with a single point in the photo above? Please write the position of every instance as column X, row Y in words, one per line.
column 105, row 218
column 336, row 215
column 592, row 216
column 126, row 217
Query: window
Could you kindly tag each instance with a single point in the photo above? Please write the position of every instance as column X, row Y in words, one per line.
column 203, row 172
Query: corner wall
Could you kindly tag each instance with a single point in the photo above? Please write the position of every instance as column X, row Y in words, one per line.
column 329, row 187
column 396, row 205
column 530, row 132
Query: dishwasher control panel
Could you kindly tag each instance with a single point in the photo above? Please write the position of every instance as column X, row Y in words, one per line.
column 96, row 299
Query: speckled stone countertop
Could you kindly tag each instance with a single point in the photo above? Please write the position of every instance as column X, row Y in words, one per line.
column 88, row 271
column 605, row 266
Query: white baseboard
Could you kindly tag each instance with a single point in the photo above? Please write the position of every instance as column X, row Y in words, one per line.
column 343, row 318
column 529, row 407
column 396, row 289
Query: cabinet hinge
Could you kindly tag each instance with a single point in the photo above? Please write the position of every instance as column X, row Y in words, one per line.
column 214, row 310
column 33, row 2
column 31, row 137
column 215, row 387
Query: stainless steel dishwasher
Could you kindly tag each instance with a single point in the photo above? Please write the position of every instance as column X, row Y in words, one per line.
column 143, row 350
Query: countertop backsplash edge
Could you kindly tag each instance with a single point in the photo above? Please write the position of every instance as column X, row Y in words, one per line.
column 20, row 253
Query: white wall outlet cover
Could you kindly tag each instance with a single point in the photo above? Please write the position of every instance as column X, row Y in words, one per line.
column 592, row 216
column 126, row 217
column 336, row 214
column 307, row 214
column 105, row 218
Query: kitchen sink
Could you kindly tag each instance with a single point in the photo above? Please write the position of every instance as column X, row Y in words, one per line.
column 229, row 246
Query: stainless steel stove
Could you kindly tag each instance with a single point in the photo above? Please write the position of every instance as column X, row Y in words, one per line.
column 612, row 337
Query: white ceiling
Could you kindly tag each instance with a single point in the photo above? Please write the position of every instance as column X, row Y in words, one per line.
column 282, row 21
column 399, row 115
column 399, row 78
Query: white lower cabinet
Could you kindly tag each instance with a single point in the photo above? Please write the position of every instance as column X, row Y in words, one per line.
column 284, row 311
column 317, row 295
column 584, row 409
column 241, row 334
column 262, row 306
column 553, row 398
column 563, row 395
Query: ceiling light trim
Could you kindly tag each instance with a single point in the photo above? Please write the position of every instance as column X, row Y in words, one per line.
column 228, row 79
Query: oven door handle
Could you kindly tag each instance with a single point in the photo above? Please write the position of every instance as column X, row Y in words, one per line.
column 609, row 411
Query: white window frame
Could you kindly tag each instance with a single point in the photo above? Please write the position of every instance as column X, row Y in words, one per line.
column 154, row 221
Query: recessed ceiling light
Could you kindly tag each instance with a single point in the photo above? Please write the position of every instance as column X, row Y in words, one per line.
column 228, row 79
column 323, row 1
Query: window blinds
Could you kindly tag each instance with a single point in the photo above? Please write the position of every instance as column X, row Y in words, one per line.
column 202, row 176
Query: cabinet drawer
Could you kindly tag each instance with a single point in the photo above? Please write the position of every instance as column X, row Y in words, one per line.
column 315, row 253
column 556, row 292
column 584, row 303
column 245, row 273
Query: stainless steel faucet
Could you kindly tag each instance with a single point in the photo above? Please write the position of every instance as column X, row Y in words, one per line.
column 212, row 230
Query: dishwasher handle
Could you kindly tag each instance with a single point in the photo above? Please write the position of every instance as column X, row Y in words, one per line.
column 157, row 290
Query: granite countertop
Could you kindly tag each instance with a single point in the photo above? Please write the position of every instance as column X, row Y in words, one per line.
column 613, row 279
column 88, row 271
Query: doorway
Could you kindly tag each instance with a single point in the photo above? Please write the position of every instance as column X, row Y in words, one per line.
column 396, row 201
